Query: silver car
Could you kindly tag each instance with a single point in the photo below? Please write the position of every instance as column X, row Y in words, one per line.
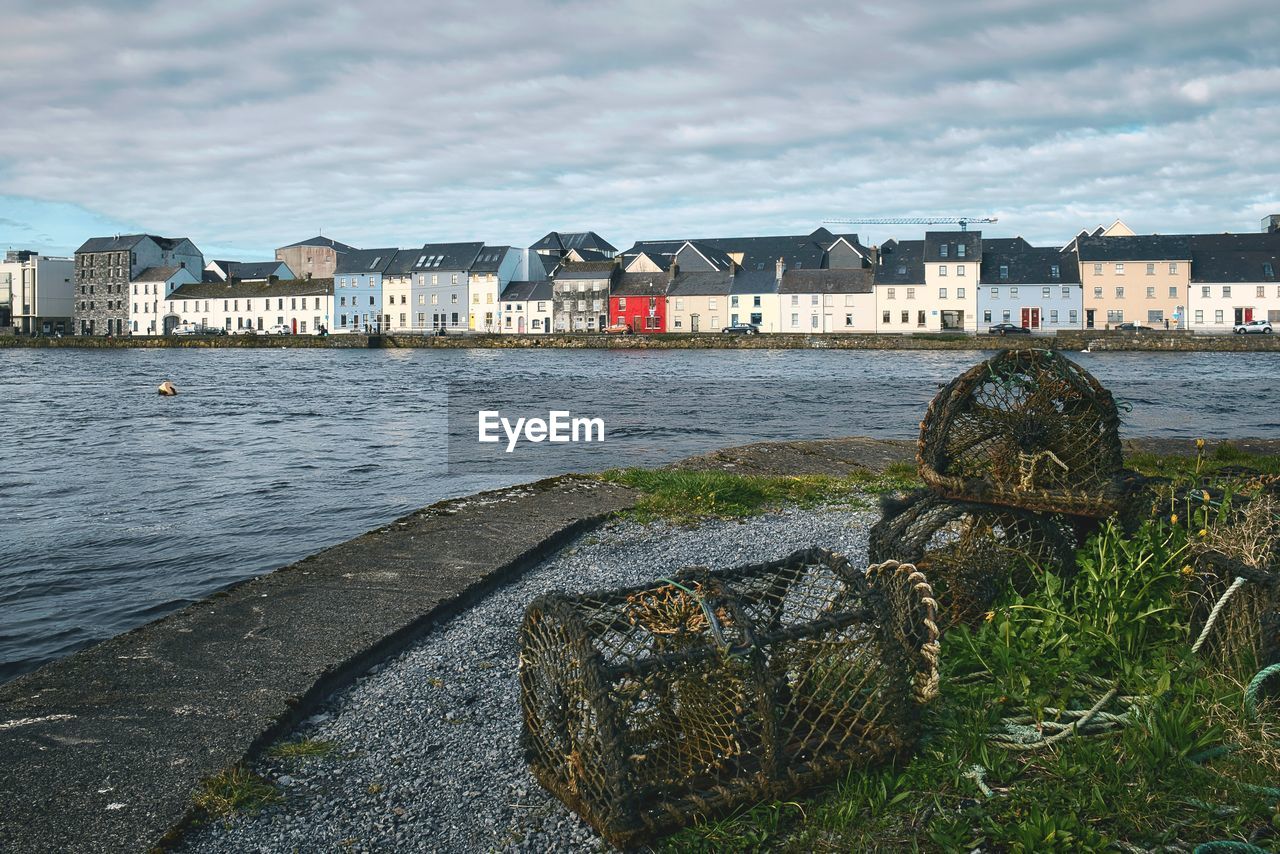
column 1262, row 327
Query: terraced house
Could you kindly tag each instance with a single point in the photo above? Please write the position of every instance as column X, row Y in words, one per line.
column 491, row 271
column 580, row 293
column 952, row 261
column 106, row 267
column 301, row 305
column 525, row 307
column 1140, row 278
column 357, row 289
column 900, row 288
column 1233, row 280
column 638, row 301
column 1037, row 288
column 818, row 301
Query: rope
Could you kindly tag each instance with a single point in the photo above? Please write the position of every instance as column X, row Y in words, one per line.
column 1065, row 733
column 1229, row 845
column 978, row 775
column 1255, row 685
column 1213, row 615
column 1027, row 466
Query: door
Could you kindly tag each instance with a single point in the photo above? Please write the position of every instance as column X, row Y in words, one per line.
column 1248, row 315
column 520, row 324
column 1031, row 318
column 1088, row 318
column 293, row 324
column 693, row 323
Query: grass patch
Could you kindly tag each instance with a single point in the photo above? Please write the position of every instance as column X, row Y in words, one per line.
column 306, row 748
column 1184, row 766
column 235, row 791
column 1225, row 458
column 689, row 496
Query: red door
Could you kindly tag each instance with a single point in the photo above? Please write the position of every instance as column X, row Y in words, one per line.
column 1031, row 318
column 1248, row 315
column 294, row 323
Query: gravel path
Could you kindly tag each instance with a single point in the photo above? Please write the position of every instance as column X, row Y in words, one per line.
column 426, row 752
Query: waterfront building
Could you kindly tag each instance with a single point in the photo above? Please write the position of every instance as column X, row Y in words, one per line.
column 489, row 274
column 401, row 313
column 37, row 295
column 638, row 301
column 952, row 265
column 698, row 300
column 557, row 245
column 754, row 299
column 441, row 283
column 1037, row 288
column 104, row 268
column 1137, row 278
column 820, row 249
column 301, row 305
column 150, row 311
column 315, row 258
column 524, row 308
column 249, row 271
column 581, row 295
column 900, row 288
column 826, row 300
column 1233, row 280
column 357, row 290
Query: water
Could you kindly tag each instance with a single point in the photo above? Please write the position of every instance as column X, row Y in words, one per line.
column 118, row 506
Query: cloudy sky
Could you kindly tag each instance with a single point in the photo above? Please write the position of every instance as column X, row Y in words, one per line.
column 249, row 124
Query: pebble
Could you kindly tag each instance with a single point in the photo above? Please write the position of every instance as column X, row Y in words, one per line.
column 426, row 753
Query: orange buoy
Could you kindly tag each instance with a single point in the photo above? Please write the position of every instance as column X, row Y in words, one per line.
column 167, row 389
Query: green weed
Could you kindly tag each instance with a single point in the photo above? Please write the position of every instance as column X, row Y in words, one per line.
column 234, row 791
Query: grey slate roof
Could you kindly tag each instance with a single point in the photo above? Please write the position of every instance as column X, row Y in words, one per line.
column 860, row 281
column 1026, row 264
column 755, row 282
column 526, row 292
column 1141, row 247
column 253, row 290
column 586, row 270
column 123, row 242
column 364, row 261
column 799, row 251
column 401, row 263
column 320, row 240
column 434, row 257
column 901, row 263
column 250, row 269
column 563, row 241
column 490, row 259
column 639, row 284
column 934, row 241
column 590, row 254
column 157, row 274
column 700, row 284
column 1230, row 258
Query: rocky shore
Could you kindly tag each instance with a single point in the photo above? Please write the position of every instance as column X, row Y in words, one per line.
column 425, row 751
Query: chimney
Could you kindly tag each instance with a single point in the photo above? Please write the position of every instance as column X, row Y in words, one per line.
column 1271, row 224
column 780, row 268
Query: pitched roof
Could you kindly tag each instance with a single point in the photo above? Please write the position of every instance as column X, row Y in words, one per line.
column 701, row 284
column 122, row 242
column 1024, row 264
column 549, row 262
column 320, row 240
column 1140, row 247
column 1230, row 258
column 589, row 254
column 526, row 291
column 586, row 270
column 364, row 261
column 755, row 282
column 935, row 240
column 401, row 264
column 801, row 251
column 639, row 285
column 251, row 269
column 563, row 241
column 857, row 281
column 157, row 274
column 901, row 263
column 253, row 290
column 490, row 259
column 432, row 257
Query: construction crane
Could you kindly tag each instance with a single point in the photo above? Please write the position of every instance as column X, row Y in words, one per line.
column 963, row 221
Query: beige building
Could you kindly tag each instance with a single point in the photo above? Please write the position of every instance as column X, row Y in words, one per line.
column 819, row 301
column 1140, row 279
column 698, row 301
column 316, row 258
column 952, row 270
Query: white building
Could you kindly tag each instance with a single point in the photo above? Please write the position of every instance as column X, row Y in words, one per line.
column 492, row 270
column 525, row 308
column 303, row 305
column 1233, row 280
column 149, row 294
column 37, row 294
column 820, row 301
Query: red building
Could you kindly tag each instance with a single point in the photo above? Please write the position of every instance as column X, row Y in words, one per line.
column 639, row 300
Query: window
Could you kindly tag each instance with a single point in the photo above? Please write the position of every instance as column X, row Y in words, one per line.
column 1066, row 293
column 1261, row 291
column 959, row 293
column 960, row 269
column 1005, row 316
column 453, row 299
column 1119, row 269
column 454, row 279
column 435, row 299
column 795, row 300
column 1055, row 272
column 1120, row 293
column 902, row 269
column 1199, row 315
column 942, row 250
column 733, row 301
column 1044, row 292
column 891, row 293
column 755, row 302
column 1151, row 293
column 813, row 299
column 1097, row 269
column 1226, row 290
column 942, row 269
column 475, row 298
column 711, row 303
column 1151, row 269
column 1217, row 316
column 1115, row 316
column 884, row 317
column 1155, row 315
column 986, row 316
column 1004, row 271
column 795, row 319
column 911, row 293
column 942, row 293
column 960, row 250
column 1073, row 317
column 906, row 317
column 1013, row 293
column 813, row 321
column 1053, row 315
column 435, row 278
column 622, row 302
column 1173, row 268
column 995, row 293
column 920, row 318
column 1267, row 269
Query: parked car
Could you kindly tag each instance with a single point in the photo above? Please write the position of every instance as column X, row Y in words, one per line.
column 618, row 329
column 1130, row 326
column 1007, row 328
column 243, row 330
column 741, row 329
column 212, row 330
column 185, row 329
column 280, row 329
column 1262, row 327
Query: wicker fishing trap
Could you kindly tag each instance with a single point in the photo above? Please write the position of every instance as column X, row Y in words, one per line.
column 648, row 706
column 971, row 552
column 1025, row 428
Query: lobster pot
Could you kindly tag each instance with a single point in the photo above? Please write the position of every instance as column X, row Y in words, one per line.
column 971, row 552
column 1026, row 428
column 648, row 706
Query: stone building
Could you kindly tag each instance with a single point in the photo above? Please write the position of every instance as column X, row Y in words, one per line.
column 105, row 267
column 36, row 293
column 581, row 295
column 315, row 258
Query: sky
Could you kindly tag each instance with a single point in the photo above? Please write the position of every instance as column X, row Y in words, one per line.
column 250, row 124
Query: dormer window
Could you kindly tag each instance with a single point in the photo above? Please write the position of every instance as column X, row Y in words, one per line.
column 1004, row 271
column 1055, row 272
column 942, row 250
column 1267, row 269
column 902, row 269
column 959, row 250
